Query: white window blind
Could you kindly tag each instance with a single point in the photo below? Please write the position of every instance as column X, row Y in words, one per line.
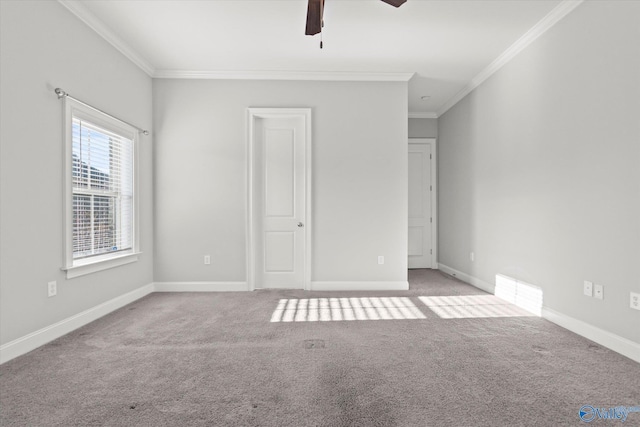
column 102, row 189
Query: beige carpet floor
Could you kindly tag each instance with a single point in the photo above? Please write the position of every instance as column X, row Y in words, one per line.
column 294, row 358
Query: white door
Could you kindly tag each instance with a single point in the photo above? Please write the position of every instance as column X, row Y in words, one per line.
column 420, row 206
column 279, row 201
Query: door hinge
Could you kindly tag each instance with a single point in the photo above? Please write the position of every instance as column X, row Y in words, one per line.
column 431, row 219
column 431, row 251
column 430, row 156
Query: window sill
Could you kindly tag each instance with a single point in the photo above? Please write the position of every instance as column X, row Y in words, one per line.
column 99, row 265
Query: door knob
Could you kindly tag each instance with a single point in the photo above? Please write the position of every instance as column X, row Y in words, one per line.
column 300, row 225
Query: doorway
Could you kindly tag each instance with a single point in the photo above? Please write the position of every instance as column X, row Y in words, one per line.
column 279, row 199
column 422, row 203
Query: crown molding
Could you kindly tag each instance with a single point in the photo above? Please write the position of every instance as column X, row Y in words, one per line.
column 78, row 9
column 285, row 75
column 552, row 18
column 418, row 115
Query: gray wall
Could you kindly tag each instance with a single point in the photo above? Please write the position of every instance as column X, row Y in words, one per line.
column 44, row 46
column 359, row 176
column 539, row 168
column 423, row 128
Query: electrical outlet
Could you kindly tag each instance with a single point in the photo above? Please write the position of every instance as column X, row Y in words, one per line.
column 52, row 289
column 472, row 256
column 598, row 291
column 207, row 259
column 380, row 259
column 588, row 288
column 634, row 300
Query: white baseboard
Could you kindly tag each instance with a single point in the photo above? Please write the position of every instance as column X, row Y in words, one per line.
column 613, row 342
column 607, row 339
column 360, row 286
column 201, row 286
column 40, row 337
column 474, row 281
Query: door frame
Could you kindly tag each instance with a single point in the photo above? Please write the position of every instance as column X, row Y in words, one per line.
column 434, row 196
column 254, row 114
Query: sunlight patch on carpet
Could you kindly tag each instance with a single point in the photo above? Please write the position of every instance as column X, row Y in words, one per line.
column 345, row 309
column 472, row 306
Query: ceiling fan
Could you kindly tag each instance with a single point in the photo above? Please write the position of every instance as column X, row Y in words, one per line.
column 315, row 8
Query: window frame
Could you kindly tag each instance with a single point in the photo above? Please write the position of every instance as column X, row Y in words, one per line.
column 82, row 266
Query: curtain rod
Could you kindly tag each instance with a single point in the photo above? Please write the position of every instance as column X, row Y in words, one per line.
column 62, row 94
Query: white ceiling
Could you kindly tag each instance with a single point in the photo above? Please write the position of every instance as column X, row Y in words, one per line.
column 447, row 43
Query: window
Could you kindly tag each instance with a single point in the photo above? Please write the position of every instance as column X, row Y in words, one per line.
column 100, row 205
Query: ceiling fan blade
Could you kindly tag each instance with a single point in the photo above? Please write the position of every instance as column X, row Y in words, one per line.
column 314, row 17
column 395, row 3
